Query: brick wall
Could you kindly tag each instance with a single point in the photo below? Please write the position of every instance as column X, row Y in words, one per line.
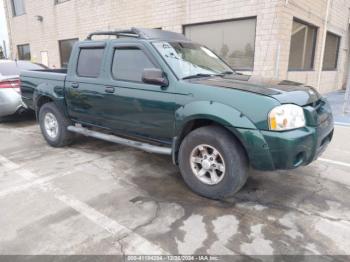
column 76, row 18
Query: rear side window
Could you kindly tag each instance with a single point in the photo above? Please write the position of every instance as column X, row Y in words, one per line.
column 128, row 64
column 89, row 63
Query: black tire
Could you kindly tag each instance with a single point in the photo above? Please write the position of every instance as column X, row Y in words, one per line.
column 234, row 156
column 63, row 137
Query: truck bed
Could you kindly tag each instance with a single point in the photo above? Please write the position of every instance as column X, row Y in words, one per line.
column 46, row 79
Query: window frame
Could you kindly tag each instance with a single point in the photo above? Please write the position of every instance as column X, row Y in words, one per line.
column 59, row 49
column 14, row 9
column 137, row 47
column 102, row 61
column 30, row 54
column 223, row 21
column 315, row 38
column 337, row 53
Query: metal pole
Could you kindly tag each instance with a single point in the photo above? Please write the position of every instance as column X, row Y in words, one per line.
column 346, row 100
column 277, row 61
column 347, row 91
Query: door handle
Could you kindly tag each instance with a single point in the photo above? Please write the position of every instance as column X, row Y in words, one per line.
column 109, row 89
column 75, row 85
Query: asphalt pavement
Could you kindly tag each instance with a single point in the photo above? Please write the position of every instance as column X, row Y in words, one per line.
column 96, row 197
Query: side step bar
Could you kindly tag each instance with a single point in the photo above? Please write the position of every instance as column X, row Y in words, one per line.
column 119, row 140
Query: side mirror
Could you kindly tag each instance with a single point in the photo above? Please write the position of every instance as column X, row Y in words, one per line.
column 154, row 76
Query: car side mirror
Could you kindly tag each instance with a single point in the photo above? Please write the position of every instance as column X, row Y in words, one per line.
column 154, row 76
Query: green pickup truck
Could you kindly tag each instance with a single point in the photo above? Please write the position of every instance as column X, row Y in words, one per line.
column 157, row 91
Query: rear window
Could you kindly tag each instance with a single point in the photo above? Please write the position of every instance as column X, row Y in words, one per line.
column 89, row 63
column 14, row 68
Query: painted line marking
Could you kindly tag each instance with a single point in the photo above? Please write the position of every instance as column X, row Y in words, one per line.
column 135, row 243
column 334, row 162
column 36, row 182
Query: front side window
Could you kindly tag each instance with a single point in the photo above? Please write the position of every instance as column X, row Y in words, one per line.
column 129, row 63
column 189, row 59
column 18, row 7
column 89, row 63
column 23, row 52
column 302, row 47
column 233, row 41
column 66, row 47
column 331, row 52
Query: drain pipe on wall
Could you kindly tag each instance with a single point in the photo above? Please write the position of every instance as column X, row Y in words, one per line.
column 323, row 46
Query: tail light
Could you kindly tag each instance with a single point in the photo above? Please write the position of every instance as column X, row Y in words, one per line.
column 10, row 84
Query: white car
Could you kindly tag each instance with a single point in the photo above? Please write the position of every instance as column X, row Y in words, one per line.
column 10, row 96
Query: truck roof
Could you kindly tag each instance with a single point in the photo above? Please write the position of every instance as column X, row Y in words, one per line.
column 142, row 33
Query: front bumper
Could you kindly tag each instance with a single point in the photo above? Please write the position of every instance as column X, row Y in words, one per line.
column 269, row 150
column 10, row 102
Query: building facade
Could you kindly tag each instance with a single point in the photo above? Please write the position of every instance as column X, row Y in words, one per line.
column 299, row 40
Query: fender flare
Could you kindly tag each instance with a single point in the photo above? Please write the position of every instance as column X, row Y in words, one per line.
column 54, row 93
column 217, row 112
column 225, row 115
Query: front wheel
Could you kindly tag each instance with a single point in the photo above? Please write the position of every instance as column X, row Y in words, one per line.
column 213, row 163
column 53, row 125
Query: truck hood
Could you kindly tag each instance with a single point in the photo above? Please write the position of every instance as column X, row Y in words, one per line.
column 284, row 91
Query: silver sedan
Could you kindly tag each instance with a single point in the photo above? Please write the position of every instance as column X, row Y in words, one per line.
column 10, row 95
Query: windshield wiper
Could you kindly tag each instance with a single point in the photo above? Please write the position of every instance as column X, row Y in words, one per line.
column 196, row 76
column 226, row 73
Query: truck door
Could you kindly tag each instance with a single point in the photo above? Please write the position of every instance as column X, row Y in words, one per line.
column 85, row 92
column 139, row 108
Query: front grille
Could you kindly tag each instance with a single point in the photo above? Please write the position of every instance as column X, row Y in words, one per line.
column 317, row 112
column 317, row 104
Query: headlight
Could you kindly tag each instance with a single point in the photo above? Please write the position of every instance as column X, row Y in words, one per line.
column 286, row 117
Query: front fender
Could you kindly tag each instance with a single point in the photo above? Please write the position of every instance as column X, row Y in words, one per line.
column 237, row 123
column 218, row 112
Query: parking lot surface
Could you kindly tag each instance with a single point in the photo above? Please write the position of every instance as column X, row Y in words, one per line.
column 96, row 197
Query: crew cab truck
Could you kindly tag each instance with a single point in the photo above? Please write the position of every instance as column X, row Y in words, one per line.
column 158, row 91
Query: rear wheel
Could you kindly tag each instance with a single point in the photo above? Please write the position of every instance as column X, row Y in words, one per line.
column 213, row 163
column 54, row 125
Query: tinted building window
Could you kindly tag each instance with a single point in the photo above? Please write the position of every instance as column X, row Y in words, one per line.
column 89, row 63
column 128, row 64
column 234, row 41
column 23, row 52
column 302, row 47
column 66, row 47
column 18, row 7
column 331, row 52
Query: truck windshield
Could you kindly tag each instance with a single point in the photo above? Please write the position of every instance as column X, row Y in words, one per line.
column 189, row 60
